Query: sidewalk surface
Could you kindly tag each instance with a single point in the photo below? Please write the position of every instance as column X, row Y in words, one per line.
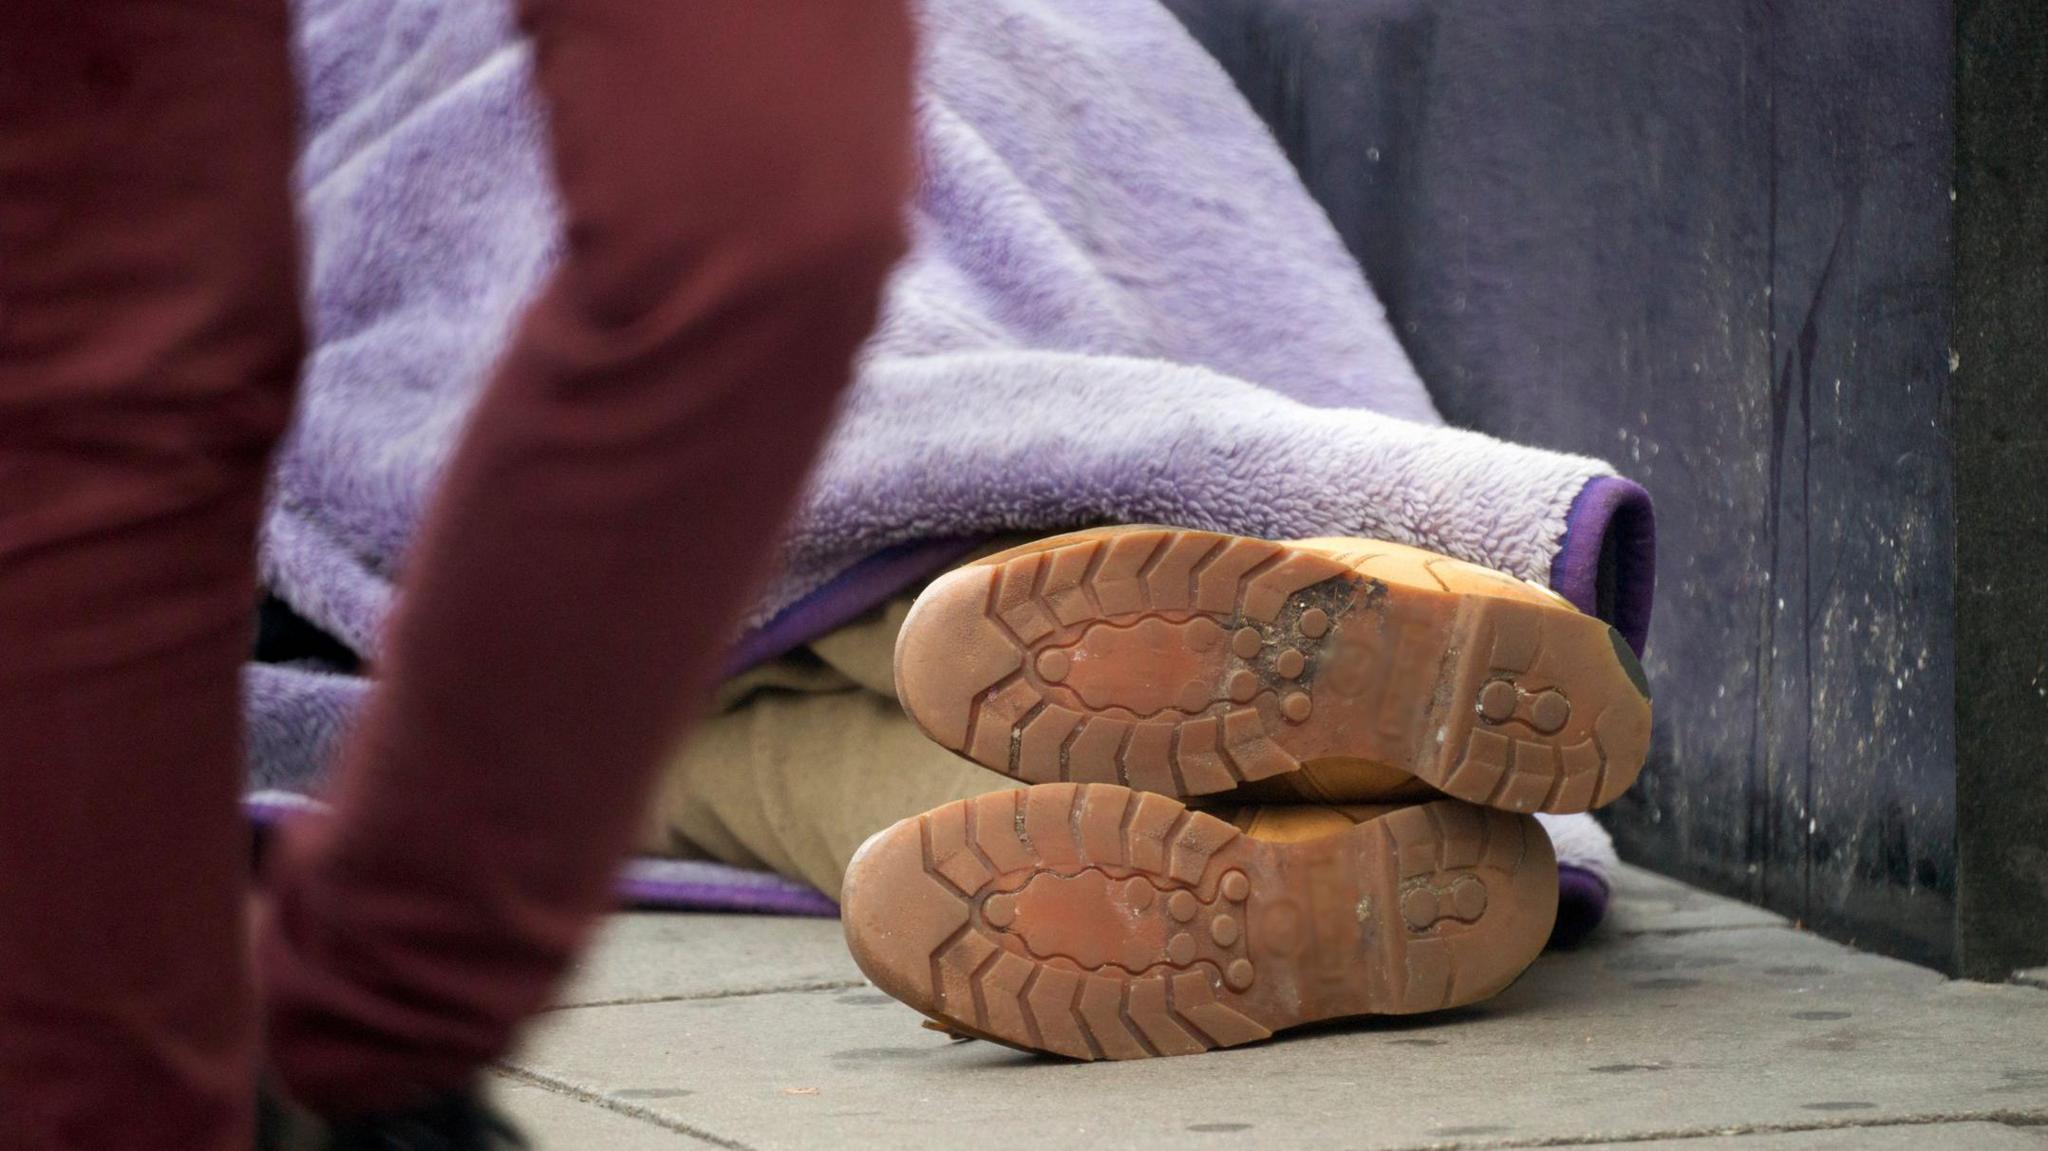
column 1690, row 1022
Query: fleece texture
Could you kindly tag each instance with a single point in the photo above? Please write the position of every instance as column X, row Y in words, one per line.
column 1121, row 305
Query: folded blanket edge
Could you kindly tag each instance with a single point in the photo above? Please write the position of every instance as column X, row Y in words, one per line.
column 1606, row 562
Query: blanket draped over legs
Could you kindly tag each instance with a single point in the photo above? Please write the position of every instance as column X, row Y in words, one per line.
column 810, row 754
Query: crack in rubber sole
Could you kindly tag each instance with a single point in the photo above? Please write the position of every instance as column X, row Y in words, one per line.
column 1187, row 663
column 1096, row 922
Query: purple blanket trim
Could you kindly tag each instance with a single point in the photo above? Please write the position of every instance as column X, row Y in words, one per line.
column 672, row 884
column 689, row 886
column 1581, row 904
column 863, row 586
column 1607, row 562
column 1582, row 895
column 1611, row 517
column 693, row 885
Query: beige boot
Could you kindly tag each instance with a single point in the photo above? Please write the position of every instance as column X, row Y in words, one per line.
column 1097, row 922
column 1190, row 663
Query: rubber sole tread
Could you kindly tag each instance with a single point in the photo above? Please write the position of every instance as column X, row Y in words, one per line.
column 1190, row 664
column 1096, row 922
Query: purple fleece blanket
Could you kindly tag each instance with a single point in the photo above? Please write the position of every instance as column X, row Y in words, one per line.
column 1121, row 306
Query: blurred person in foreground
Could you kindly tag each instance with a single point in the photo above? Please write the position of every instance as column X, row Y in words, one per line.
column 731, row 177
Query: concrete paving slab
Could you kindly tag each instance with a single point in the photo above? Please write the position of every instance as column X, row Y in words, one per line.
column 1910, row 1137
column 1648, row 903
column 552, row 1121
column 1637, row 1037
column 670, row 955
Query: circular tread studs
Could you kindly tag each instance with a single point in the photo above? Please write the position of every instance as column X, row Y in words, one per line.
column 1243, row 685
column 1239, row 974
column 1247, row 642
column 1497, row 701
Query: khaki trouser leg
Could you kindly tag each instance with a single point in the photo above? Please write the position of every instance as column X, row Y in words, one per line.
column 807, row 757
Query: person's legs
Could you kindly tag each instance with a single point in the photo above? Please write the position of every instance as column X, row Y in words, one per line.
column 796, row 781
column 733, row 176
column 149, row 337
column 808, row 756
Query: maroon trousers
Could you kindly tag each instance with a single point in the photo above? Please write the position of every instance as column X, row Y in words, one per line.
column 732, row 172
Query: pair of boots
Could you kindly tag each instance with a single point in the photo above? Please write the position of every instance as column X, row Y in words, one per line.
column 1359, row 729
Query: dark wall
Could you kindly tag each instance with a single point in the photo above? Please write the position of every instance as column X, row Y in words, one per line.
column 2001, row 446
column 1706, row 240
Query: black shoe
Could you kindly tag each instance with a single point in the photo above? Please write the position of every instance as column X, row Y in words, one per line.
column 457, row 1121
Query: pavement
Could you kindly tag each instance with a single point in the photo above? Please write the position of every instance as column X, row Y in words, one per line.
column 1690, row 1021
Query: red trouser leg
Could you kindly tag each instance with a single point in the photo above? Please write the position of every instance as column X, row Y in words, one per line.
column 733, row 176
column 148, row 341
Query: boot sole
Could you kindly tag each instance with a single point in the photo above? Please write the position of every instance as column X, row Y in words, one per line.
column 1187, row 663
column 1095, row 922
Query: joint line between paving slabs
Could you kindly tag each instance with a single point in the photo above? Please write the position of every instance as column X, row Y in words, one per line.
column 1676, row 932
column 2033, row 1118
column 619, row 1106
column 786, row 989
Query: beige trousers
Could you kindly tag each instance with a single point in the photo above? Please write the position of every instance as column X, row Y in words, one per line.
column 805, row 758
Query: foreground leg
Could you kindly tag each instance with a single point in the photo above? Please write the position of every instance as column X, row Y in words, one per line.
column 148, row 340
column 733, row 175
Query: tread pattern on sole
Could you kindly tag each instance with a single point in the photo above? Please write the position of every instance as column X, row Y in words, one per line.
column 1227, row 609
column 1020, row 971
column 1522, row 743
column 1189, row 663
column 1096, row 922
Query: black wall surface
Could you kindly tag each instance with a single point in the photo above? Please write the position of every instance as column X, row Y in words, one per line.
column 2001, row 448
column 1707, row 240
